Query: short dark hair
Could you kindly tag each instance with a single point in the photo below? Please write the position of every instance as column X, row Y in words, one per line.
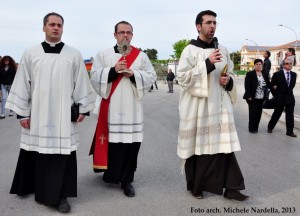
column 258, row 60
column 45, row 20
column 268, row 53
column 292, row 50
column 199, row 18
column 122, row 22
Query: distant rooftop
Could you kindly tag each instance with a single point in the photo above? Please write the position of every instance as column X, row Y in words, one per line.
column 287, row 45
column 255, row 48
column 263, row 48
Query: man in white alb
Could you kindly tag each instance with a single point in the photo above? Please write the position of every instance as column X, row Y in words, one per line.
column 51, row 76
column 207, row 136
column 121, row 82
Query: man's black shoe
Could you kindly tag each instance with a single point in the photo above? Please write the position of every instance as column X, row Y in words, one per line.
column 199, row 196
column 128, row 190
column 254, row 132
column 291, row 134
column 270, row 131
column 235, row 194
column 64, row 206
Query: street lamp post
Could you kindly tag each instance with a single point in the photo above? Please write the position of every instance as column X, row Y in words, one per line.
column 294, row 33
column 256, row 47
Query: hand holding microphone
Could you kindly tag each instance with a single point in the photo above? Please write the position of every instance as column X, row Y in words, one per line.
column 215, row 56
column 216, row 43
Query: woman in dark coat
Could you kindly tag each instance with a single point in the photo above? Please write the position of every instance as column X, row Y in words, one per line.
column 256, row 87
column 8, row 69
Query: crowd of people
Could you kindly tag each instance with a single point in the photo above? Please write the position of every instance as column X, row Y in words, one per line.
column 52, row 76
column 258, row 85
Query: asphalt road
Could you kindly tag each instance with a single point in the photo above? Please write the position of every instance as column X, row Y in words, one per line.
column 270, row 164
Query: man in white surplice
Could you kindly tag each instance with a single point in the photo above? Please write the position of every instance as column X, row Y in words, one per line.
column 207, row 135
column 125, row 112
column 50, row 78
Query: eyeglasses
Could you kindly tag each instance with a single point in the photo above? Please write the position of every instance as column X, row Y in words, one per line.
column 287, row 63
column 124, row 32
column 210, row 22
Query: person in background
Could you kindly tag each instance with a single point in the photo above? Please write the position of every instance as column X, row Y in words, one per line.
column 0, row 84
column 256, row 88
column 151, row 88
column 170, row 78
column 50, row 78
column 8, row 68
column 267, row 63
column 290, row 55
column 283, row 83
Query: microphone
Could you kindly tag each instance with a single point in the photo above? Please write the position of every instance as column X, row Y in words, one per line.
column 215, row 40
column 216, row 44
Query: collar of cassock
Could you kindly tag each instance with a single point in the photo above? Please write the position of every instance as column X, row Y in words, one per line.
column 201, row 43
column 52, row 44
column 116, row 49
column 54, row 48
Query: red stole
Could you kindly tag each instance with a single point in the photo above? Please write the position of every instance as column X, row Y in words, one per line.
column 100, row 142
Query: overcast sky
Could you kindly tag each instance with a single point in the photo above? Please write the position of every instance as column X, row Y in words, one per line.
column 158, row 24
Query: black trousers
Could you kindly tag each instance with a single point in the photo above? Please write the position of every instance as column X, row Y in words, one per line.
column 155, row 86
column 255, row 107
column 122, row 162
column 212, row 173
column 49, row 176
column 289, row 116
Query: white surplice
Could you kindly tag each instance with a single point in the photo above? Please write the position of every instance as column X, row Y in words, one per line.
column 44, row 88
column 205, row 107
column 125, row 117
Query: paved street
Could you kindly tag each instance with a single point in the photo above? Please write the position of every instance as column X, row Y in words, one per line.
column 270, row 164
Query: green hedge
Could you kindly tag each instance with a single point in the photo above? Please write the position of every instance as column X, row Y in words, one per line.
column 239, row 72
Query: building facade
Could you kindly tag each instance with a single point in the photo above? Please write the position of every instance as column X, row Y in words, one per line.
column 250, row 53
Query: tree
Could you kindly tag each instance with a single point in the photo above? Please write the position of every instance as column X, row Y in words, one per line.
column 161, row 61
column 161, row 71
column 151, row 53
column 236, row 58
column 178, row 48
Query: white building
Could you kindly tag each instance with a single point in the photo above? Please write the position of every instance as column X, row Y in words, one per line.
column 250, row 53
